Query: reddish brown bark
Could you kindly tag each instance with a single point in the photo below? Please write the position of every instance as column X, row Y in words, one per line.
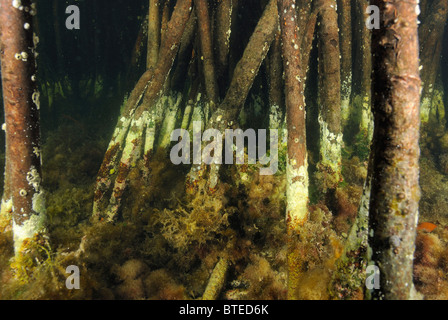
column 243, row 77
column 345, row 27
column 329, row 66
column 164, row 21
column 249, row 64
column 329, row 87
column 153, row 33
column 276, row 73
column 224, row 13
column 395, row 186
column 294, row 95
column 21, row 106
column 366, row 51
column 185, row 55
column 168, row 50
column 306, row 22
column 296, row 140
column 247, row 67
column 307, row 42
column 205, row 35
column 363, row 68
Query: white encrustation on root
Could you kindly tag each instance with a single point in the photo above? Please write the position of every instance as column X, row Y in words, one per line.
column 297, row 193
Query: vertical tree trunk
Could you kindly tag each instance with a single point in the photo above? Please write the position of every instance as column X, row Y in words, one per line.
column 164, row 22
column 366, row 121
column 223, row 22
column 431, row 38
column 205, row 35
column 345, row 26
column 297, row 164
column 153, row 33
column 21, row 104
column 307, row 42
column 395, row 188
column 329, row 96
column 276, row 100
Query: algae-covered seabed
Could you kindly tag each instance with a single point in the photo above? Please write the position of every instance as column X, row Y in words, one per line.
column 166, row 244
column 152, row 253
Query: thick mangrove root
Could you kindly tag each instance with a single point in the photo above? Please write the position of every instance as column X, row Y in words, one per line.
column 23, row 190
column 296, row 165
column 329, row 97
column 395, row 185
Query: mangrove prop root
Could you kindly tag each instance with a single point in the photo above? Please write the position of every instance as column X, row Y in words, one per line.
column 254, row 54
column 128, row 138
column 307, row 42
column 395, row 187
column 350, row 275
column 21, row 105
column 306, row 22
column 222, row 37
column 164, row 22
column 167, row 54
column 276, row 100
column 431, row 42
column 345, row 26
column 205, row 35
column 329, row 96
column 116, row 145
column 297, row 167
column 217, row 280
column 243, row 77
column 364, row 37
column 185, row 56
column 153, row 34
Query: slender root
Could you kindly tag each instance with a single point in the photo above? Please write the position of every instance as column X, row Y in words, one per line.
column 216, row 281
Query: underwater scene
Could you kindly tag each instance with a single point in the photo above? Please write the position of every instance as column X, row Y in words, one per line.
column 224, row 150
